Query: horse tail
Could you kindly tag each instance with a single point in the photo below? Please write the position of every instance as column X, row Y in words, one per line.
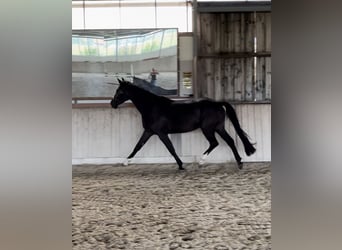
column 249, row 148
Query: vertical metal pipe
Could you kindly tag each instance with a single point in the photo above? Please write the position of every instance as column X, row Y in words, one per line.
column 187, row 15
column 120, row 23
column 84, row 26
column 155, row 14
column 161, row 42
column 255, row 59
column 195, row 50
column 178, row 66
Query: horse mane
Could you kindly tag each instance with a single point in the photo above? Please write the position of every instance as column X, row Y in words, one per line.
column 148, row 94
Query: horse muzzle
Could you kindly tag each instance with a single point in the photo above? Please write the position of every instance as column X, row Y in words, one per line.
column 114, row 104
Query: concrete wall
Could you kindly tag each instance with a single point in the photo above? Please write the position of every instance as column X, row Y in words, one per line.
column 105, row 135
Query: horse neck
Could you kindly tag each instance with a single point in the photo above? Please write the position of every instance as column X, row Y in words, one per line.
column 142, row 99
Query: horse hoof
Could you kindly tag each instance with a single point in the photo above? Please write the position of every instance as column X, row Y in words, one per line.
column 202, row 160
column 240, row 165
column 126, row 162
column 181, row 169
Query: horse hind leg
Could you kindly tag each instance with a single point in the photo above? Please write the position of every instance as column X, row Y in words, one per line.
column 213, row 143
column 229, row 140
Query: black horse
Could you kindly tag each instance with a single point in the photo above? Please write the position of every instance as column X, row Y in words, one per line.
column 162, row 116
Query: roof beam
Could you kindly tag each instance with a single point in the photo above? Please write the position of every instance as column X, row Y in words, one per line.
column 208, row 7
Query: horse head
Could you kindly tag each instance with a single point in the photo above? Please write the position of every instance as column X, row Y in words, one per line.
column 120, row 95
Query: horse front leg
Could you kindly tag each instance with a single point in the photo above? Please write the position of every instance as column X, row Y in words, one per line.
column 143, row 139
column 167, row 142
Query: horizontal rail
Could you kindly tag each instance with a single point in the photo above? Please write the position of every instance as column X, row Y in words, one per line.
column 92, row 98
column 129, row 104
column 235, row 55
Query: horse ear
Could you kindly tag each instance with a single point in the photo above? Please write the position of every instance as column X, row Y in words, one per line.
column 120, row 82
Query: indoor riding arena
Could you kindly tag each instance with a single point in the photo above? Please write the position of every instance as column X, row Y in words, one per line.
column 194, row 50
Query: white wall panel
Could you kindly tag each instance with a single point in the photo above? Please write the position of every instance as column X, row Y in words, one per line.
column 102, row 135
column 99, row 132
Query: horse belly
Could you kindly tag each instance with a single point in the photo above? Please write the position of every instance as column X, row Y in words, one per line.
column 183, row 125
